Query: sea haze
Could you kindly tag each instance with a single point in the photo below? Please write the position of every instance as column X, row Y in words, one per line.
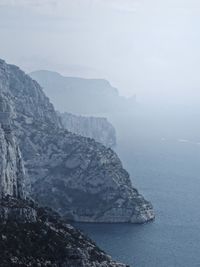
column 162, row 153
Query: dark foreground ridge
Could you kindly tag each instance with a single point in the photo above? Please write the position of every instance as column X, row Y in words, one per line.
column 45, row 240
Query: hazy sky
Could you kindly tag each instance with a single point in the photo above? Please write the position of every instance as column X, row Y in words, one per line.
column 147, row 47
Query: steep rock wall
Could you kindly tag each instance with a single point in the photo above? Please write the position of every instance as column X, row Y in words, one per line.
column 80, row 178
column 97, row 128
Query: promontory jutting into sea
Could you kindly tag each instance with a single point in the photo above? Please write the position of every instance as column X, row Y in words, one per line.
column 99, row 133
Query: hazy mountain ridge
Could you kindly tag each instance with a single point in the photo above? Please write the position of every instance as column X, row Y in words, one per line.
column 98, row 128
column 74, row 95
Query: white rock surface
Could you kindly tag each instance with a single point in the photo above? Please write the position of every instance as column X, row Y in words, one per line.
column 12, row 175
column 97, row 128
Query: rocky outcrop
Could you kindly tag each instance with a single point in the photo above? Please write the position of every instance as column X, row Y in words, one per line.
column 11, row 167
column 45, row 240
column 80, row 178
column 97, row 128
column 17, row 210
column 12, row 174
column 30, row 235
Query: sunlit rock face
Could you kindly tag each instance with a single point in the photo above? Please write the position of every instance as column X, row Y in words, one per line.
column 12, row 175
column 97, row 128
column 80, row 178
column 11, row 167
column 13, row 190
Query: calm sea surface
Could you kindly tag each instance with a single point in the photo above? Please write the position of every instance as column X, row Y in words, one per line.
column 162, row 155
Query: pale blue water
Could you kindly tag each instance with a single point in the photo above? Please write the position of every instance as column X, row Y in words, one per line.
column 166, row 168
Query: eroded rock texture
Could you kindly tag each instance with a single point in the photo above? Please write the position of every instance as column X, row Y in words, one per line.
column 45, row 240
column 81, row 179
column 30, row 235
column 97, row 128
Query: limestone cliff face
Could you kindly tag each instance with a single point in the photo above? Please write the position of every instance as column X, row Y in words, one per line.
column 80, row 178
column 97, row 128
column 13, row 184
column 11, row 167
column 12, row 173
column 29, row 234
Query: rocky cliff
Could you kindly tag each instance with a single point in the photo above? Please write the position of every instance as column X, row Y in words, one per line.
column 30, row 235
column 11, row 168
column 96, row 128
column 12, row 174
column 12, row 181
column 81, row 179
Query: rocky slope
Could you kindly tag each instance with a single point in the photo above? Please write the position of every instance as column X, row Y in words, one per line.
column 82, row 96
column 97, row 128
column 30, row 235
column 45, row 240
column 81, row 179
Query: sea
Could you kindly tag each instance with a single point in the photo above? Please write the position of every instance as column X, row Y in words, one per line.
column 160, row 148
